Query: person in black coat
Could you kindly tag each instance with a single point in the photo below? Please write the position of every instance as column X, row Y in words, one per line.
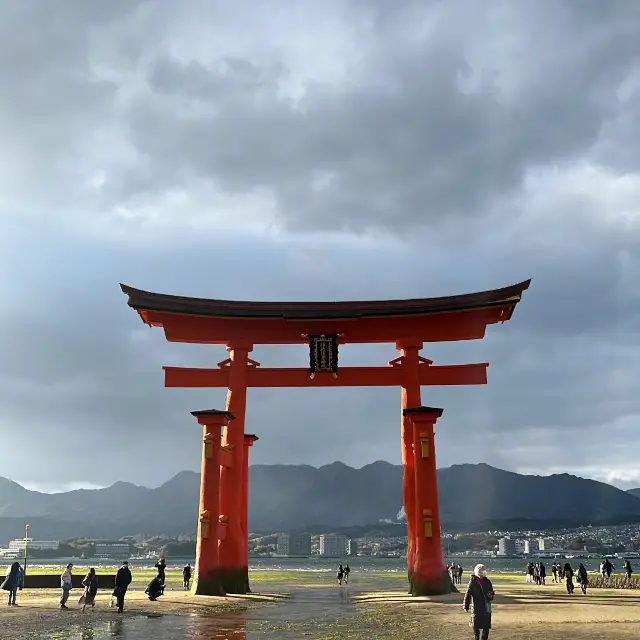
column 567, row 572
column 186, row 577
column 161, row 566
column 12, row 582
column 583, row 578
column 543, row 573
column 155, row 589
column 478, row 598
column 123, row 580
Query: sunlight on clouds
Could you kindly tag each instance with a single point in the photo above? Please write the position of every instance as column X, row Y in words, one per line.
column 202, row 209
column 578, row 198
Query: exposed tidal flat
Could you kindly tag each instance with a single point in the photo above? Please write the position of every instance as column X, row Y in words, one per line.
column 295, row 604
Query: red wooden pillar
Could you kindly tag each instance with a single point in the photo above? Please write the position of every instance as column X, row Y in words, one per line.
column 207, row 570
column 234, row 573
column 409, row 352
column 249, row 439
column 429, row 570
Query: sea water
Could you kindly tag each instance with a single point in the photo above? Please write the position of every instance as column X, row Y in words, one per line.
column 329, row 565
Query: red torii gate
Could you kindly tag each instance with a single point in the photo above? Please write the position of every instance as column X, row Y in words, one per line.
column 222, row 549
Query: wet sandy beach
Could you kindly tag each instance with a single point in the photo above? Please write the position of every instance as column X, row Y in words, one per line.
column 374, row 607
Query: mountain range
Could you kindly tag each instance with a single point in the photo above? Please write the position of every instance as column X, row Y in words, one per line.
column 334, row 496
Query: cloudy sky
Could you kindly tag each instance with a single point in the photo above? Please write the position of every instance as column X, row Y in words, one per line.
column 318, row 150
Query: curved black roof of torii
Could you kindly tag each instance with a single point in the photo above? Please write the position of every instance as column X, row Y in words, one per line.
column 148, row 301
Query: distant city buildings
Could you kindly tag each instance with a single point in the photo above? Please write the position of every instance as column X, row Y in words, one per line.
column 352, row 547
column 16, row 547
column 333, row 546
column 294, row 544
column 112, row 550
column 39, row 545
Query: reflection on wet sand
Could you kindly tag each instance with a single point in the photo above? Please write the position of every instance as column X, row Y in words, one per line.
column 177, row 627
column 173, row 627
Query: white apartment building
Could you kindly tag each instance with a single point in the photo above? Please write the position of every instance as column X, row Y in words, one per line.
column 507, row 546
column 39, row 545
column 333, row 546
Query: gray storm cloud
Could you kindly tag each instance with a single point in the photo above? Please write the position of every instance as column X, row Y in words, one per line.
column 341, row 150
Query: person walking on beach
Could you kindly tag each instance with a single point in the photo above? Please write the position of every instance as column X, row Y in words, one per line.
column 340, row 575
column 66, row 582
column 123, row 580
column 536, row 573
column 568, row 578
column 479, row 597
column 583, row 578
column 90, row 584
column 161, row 566
column 543, row 573
column 554, row 571
column 13, row 582
column 186, row 577
column 530, row 572
column 628, row 569
column 347, row 571
column 608, row 567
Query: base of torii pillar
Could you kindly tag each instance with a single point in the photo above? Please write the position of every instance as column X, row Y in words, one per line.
column 207, row 579
column 428, row 575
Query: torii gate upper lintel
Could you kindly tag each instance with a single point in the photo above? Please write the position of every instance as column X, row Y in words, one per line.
column 222, row 548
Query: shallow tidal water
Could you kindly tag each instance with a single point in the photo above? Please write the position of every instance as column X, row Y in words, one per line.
column 305, row 611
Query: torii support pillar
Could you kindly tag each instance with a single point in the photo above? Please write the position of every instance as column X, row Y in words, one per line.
column 249, row 439
column 234, row 573
column 429, row 573
column 207, row 581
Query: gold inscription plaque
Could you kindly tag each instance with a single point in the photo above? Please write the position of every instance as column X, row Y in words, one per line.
column 204, row 525
column 208, row 446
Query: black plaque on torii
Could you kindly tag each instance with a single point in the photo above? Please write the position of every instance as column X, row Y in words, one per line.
column 323, row 353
